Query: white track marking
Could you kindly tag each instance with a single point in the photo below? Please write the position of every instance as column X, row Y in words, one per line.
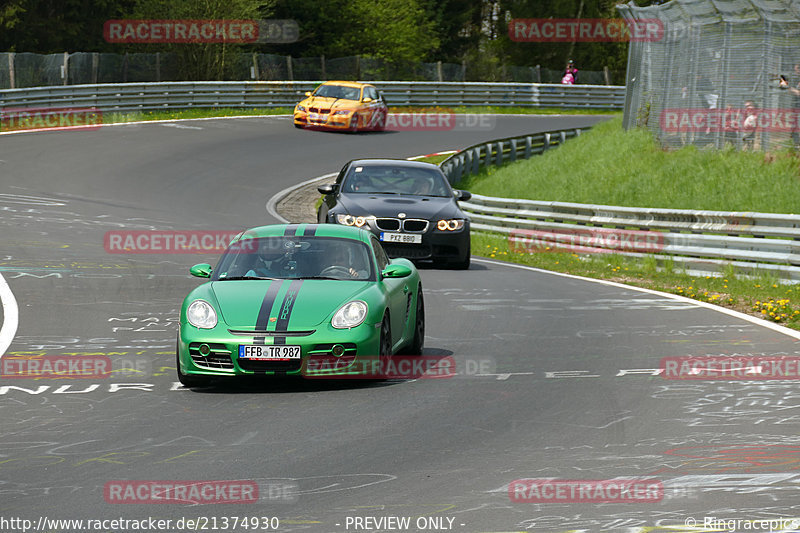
column 10, row 316
column 754, row 320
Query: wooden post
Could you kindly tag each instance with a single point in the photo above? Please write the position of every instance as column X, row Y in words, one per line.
column 289, row 68
column 439, row 71
column 65, row 66
column 607, row 75
column 95, row 66
column 11, row 73
column 256, row 73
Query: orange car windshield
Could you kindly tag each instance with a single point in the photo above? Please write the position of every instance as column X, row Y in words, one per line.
column 338, row 91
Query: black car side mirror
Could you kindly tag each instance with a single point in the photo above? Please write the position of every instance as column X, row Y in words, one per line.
column 462, row 195
column 326, row 189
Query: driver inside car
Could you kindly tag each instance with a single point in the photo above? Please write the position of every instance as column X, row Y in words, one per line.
column 339, row 265
column 269, row 262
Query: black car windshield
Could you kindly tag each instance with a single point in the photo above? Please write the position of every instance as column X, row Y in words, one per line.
column 296, row 258
column 376, row 179
column 338, row 91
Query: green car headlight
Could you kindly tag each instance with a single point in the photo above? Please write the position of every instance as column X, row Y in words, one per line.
column 200, row 314
column 350, row 315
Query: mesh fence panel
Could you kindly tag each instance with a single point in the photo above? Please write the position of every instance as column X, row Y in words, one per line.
column 272, row 67
column 714, row 78
column 5, row 70
column 33, row 70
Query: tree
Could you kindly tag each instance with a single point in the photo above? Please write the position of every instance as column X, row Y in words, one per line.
column 201, row 61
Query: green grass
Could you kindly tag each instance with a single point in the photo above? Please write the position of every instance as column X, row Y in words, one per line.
column 609, row 166
column 763, row 296
column 113, row 118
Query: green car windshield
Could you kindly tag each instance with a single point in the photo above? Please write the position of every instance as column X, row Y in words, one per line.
column 296, row 258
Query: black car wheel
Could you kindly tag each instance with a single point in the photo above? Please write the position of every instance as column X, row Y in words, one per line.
column 419, row 326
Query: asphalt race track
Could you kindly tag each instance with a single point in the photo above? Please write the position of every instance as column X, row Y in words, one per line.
column 546, row 385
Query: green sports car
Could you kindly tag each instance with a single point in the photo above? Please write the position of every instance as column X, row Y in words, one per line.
column 291, row 299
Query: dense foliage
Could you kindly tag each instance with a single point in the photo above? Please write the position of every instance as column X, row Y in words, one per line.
column 455, row 31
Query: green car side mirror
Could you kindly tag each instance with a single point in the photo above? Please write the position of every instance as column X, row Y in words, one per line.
column 203, row 270
column 396, row 271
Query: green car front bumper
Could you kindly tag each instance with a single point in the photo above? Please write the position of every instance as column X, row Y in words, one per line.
column 215, row 352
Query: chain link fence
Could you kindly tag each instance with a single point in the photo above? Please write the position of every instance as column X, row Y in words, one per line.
column 19, row 70
column 724, row 73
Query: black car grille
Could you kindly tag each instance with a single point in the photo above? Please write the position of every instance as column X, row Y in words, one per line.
column 270, row 366
column 388, row 224
column 318, row 110
column 413, row 225
column 326, row 349
column 410, row 251
column 218, row 358
column 265, row 333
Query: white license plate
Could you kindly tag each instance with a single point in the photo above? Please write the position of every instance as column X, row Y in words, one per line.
column 268, row 352
column 401, row 237
column 316, row 117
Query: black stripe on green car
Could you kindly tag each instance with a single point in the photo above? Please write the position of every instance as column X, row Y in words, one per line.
column 285, row 310
column 266, row 307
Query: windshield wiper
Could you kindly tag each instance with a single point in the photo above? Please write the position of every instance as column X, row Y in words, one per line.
column 245, row 277
column 385, row 192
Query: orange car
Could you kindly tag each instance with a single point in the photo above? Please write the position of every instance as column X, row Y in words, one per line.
column 342, row 105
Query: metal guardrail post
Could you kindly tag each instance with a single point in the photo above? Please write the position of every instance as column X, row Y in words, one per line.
column 499, row 158
column 476, row 160
column 512, row 156
column 527, row 147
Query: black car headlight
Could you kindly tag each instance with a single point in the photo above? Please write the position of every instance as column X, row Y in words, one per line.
column 350, row 220
column 452, row 224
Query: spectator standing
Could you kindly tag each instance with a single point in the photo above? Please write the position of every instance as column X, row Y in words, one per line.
column 570, row 76
column 749, row 125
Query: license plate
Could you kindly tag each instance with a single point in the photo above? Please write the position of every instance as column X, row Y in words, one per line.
column 268, row 352
column 401, row 237
column 316, row 117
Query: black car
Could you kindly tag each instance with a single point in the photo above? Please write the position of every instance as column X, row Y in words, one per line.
column 408, row 205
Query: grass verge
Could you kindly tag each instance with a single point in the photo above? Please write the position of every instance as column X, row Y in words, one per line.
column 114, row 118
column 763, row 296
column 609, row 166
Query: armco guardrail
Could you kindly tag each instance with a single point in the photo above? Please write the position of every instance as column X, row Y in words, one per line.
column 499, row 151
column 699, row 241
column 128, row 97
